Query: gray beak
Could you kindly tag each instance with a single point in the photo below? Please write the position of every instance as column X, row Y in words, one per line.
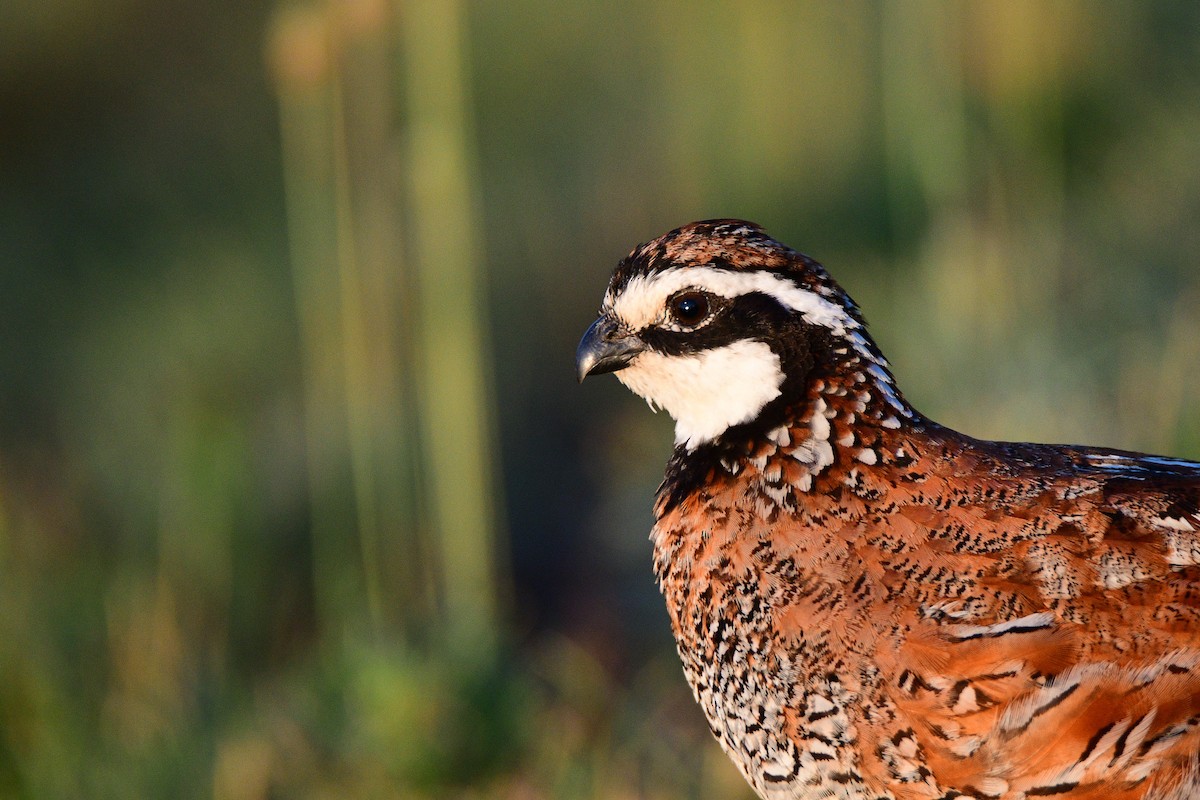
column 605, row 348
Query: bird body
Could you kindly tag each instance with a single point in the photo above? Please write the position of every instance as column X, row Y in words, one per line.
column 870, row 605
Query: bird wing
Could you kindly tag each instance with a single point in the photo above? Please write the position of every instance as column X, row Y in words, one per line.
column 1054, row 648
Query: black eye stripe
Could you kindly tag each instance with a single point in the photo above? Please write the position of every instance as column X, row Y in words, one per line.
column 753, row 316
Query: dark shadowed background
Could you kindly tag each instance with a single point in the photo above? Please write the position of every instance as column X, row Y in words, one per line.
column 298, row 495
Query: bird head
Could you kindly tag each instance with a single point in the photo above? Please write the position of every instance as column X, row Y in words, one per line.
column 723, row 327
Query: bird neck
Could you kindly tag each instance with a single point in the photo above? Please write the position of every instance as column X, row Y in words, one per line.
column 837, row 419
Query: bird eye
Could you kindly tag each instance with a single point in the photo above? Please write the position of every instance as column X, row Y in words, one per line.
column 689, row 308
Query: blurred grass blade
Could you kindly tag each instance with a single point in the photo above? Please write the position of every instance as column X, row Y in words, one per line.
column 453, row 392
column 376, row 302
column 302, row 63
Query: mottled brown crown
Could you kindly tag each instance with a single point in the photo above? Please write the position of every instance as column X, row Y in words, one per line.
column 732, row 244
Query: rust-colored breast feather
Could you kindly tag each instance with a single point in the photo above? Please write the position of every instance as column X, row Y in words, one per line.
column 967, row 619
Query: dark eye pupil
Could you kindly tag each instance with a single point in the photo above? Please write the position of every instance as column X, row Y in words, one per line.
column 691, row 308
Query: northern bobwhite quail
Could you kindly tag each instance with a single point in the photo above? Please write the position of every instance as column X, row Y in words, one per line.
column 870, row 605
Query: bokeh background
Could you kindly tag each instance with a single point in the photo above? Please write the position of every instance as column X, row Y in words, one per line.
column 298, row 496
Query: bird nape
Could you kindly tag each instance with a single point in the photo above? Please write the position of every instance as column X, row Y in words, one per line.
column 870, row 605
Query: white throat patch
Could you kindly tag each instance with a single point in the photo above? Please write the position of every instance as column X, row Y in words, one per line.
column 709, row 391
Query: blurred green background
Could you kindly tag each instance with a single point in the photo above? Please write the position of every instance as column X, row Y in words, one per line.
column 298, row 496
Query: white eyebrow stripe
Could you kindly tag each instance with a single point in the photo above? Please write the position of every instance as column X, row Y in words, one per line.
column 643, row 299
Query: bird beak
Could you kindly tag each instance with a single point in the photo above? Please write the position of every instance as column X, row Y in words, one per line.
column 605, row 348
